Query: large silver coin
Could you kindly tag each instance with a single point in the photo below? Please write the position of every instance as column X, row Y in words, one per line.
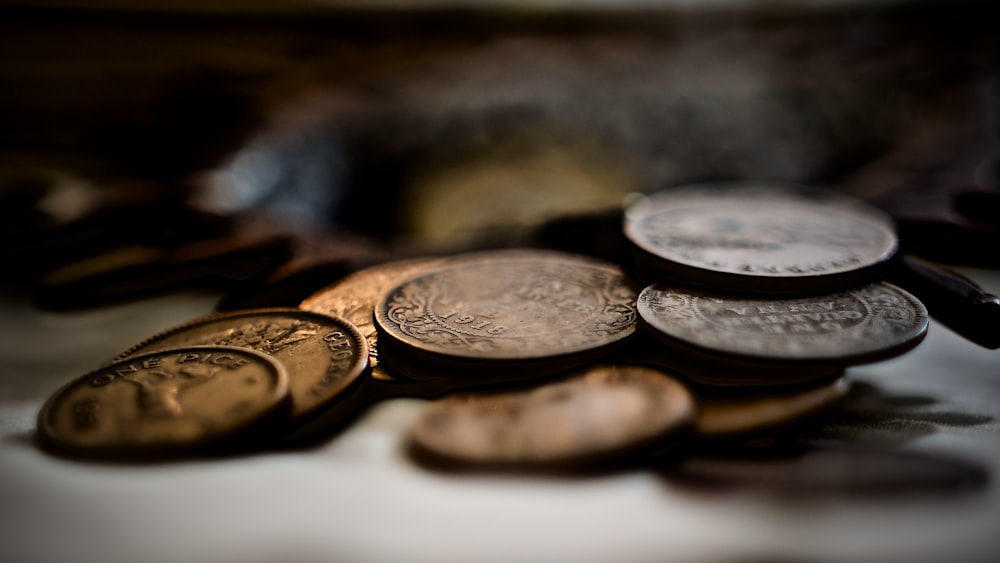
column 531, row 308
column 760, row 238
column 861, row 325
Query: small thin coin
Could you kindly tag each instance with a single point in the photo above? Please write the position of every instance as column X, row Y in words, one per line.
column 759, row 237
column 545, row 311
column 862, row 325
column 727, row 414
column 324, row 355
column 595, row 414
column 354, row 297
column 165, row 402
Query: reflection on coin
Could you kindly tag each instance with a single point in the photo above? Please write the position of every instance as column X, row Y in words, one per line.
column 353, row 298
column 861, row 325
column 324, row 355
column 592, row 415
column 761, row 238
column 542, row 311
column 164, row 402
column 724, row 414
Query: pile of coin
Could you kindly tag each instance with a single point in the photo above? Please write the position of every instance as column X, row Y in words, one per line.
column 739, row 309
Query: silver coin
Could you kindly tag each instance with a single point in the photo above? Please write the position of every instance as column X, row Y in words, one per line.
column 761, row 238
column 861, row 325
column 507, row 307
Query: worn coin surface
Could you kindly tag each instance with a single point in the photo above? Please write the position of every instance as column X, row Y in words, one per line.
column 759, row 237
column 164, row 402
column 870, row 323
column 594, row 414
column 354, row 297
column 324, row 355
column 512, row 307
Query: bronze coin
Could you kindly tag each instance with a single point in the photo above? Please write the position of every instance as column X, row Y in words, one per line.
column 324, row 355
column 544, row 311
column 861, row 325
column 725, row 414
column 354, row 297
column 759, row 237
column 594, row 414
column 169, row 401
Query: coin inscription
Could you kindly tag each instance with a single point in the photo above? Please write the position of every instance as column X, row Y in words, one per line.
column 164, row 401
column 323, row 354
column 511, row 307
column 846, row 327
column 596, row 412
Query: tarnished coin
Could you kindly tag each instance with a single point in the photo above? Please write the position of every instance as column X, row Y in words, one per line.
column 324, row 355
column 354, row 297
column 540, row 312
column 726, row 414
column 165, row 402
column 592, row 415
column 867, row 324
column 760, row 238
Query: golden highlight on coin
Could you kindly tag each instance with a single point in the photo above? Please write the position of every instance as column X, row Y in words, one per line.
column 543, row 312
column 165, row 402
column 596, row 413
column 324, row 355
column 767, row 238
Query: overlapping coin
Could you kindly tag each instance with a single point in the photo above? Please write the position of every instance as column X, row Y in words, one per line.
column 163, row 403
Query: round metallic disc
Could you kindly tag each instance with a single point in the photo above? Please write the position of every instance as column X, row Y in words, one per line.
column 354, row 297
column 509, row 307
column 726, row 414
column 760, row 238
column 594, row 414
column 324, row 355
column 862, row 325
column 168, row 401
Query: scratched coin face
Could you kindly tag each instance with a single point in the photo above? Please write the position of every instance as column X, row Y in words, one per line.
column 323, row 355
column 596, row 413
column 861, row 325
column 761, row 238
column 164, row 402
column 510, row 307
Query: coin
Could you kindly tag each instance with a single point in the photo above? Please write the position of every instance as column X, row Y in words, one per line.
column 725, row 414
column 535, row 312
column 354, row 297
column 164, row 402
column 759, row 237
column 324, row 355
column 597, row 413
column 861, row 325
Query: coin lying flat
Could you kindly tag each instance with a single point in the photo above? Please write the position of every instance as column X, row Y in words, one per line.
column 354, row 297
column 543, row 312
column 867, row 324
column 164, row 402
column 594, row 414
column 760, row 238
column 324, row 355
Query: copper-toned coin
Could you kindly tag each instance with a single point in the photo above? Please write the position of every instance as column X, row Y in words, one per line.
column 867, row 324
column 725, row 414
column 592, row 415
column 354, row 298
column 165, row 402
column 505, row 315
column 324, row 355
column 760, row 238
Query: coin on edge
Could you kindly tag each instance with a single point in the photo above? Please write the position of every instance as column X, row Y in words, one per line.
column 765, row 238
column 511, row 316
column 596, row 414
column 323, row 355
column 867, row 324
column 165, row 402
